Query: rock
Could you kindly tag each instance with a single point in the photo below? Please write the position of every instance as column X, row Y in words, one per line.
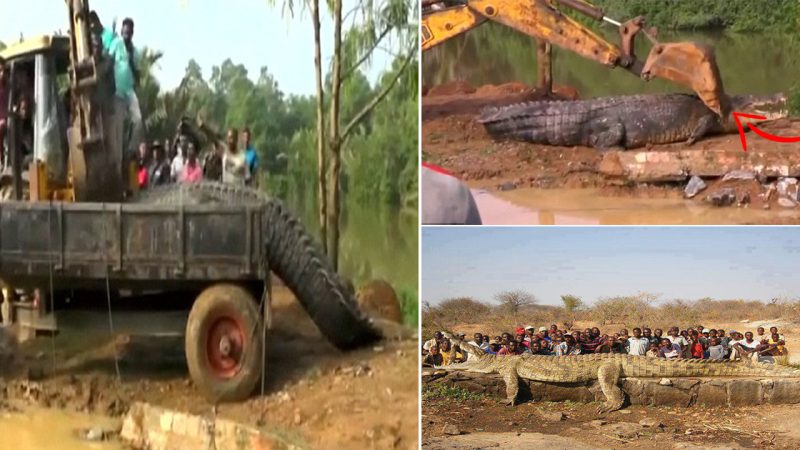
column 507, row 186
column 722, row 197
column 379, row 300
column 663, row 382
column 786, row 202
column 95, row 434
column 624, row 430
column 695, row 185
column 745, row 393
column 597, row 423
column 739, row 175
column 451, row 430
column 784, row 186
column 649, row 422
column 554, row 416
column 624, row 411
column 744, row 199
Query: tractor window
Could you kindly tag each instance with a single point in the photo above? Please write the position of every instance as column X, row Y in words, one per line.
column 50, row 119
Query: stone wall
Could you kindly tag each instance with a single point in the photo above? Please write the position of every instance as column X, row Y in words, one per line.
column 640, row 391
column 155, row 428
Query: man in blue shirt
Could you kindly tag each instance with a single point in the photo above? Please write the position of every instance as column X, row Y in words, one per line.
column 250, row 158
column 127, row 60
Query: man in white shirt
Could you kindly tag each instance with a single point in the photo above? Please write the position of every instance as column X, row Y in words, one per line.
column 637, row 344
column 426, row 347
column 746, row 348
column 676, row 338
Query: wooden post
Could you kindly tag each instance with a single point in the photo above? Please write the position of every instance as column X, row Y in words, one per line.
column 544, row 59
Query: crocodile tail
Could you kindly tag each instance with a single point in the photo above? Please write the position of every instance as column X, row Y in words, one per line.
column 710, row 368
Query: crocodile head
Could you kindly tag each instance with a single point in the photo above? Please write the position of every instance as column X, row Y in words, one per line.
column 478, row 361
column 773, row 106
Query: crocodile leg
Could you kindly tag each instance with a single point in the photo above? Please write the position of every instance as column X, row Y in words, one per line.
column 704, row 126
column 512, row 385
column 608, row 375
column 611, row 136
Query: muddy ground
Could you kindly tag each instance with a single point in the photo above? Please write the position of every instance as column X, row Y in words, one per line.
column 452, row 139
column 315, row 395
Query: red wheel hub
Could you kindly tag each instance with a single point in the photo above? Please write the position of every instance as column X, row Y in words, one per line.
column 224, row 346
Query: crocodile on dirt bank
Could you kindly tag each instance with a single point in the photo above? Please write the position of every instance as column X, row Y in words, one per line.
column 623, row 121
column 606, row 368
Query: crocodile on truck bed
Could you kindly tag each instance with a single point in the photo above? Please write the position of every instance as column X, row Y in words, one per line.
column 606, row 368
column 624, row 121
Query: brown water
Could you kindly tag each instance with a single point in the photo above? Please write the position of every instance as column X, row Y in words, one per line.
column 590, row 207
column 39, row 429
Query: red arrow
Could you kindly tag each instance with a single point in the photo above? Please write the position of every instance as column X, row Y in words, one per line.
column 761, row 133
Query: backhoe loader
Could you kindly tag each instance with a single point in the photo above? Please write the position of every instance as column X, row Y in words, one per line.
column 689, row 64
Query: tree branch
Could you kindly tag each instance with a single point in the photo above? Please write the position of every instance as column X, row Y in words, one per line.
column 378, row 98
column 367, row 54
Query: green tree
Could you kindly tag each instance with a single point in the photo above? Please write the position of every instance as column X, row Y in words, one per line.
column 572, row 303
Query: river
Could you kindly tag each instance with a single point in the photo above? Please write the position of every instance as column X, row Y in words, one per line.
column 377, row 242
column 495, row 54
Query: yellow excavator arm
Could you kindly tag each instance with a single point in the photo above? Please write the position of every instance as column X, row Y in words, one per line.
column 685, row 63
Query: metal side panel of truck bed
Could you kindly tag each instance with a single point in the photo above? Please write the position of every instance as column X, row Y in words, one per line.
column 129, row 243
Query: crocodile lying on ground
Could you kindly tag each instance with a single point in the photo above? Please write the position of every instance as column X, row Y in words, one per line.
column 606, row 368
column 293, row 256
column 623, row 121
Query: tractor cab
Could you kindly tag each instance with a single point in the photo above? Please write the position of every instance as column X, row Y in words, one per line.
column 36, row 153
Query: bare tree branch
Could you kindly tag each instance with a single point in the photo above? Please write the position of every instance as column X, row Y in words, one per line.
column 367, row 54
column 378, row 98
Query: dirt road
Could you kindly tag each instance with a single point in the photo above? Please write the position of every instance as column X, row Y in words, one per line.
column 315, row 395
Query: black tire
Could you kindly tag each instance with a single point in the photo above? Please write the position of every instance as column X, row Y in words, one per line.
column 218, row 308
column 293, row 256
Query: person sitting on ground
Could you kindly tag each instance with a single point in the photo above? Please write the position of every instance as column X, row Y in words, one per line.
column 638, row 344
column 494, row 347
column 746, row 348
column 697, row 350
column 676, row 338
column 774, row 330
column 716, row 351
column 648, row 333
column 158, row 173
column 433, row 358
column 670, row 350
column 568, row 347
column 191, row 172
column 427, row 345
column 761, row 334
column 477, row 341
column 652, row 350
column 509, row 349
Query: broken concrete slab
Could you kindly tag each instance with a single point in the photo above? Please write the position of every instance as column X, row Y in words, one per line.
column 521, row 441
column 157, row 428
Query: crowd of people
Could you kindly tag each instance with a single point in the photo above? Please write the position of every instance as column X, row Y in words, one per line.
column 693, row 342
column 180, row 161
column 235, row 163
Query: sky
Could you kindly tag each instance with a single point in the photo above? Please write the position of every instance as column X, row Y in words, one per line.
column 758, row 263
column 249, row 32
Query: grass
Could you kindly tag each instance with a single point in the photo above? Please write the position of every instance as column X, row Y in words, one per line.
column 409, row 305
column 794, row 101
column 446, row 392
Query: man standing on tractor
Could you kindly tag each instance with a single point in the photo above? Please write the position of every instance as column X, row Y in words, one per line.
column 127, row 61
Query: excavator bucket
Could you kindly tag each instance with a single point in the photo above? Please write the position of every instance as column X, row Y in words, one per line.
column 689, row 64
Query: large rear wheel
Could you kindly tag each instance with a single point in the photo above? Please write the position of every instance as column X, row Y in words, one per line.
column 223, row 343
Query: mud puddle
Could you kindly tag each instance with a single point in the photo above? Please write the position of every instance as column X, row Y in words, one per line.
column 532, row 206
column 34, row 428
